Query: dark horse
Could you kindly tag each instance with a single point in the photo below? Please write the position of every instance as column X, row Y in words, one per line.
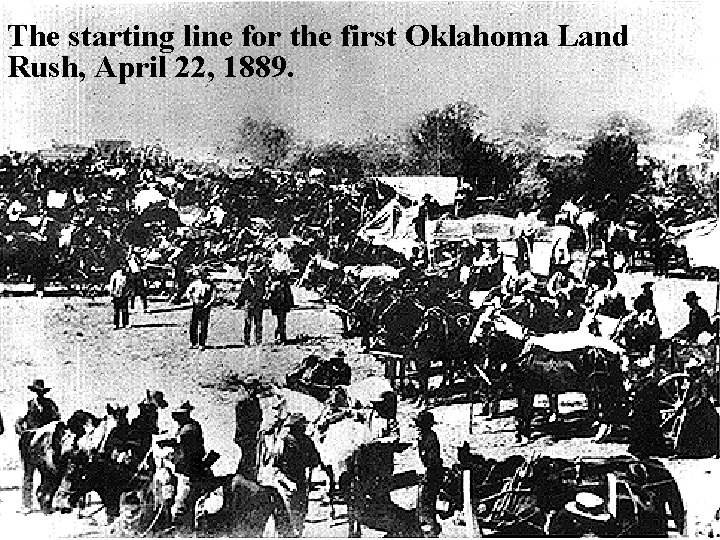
column 244, row 510
column 519, row 497
column 100, row 461
column 591, row 370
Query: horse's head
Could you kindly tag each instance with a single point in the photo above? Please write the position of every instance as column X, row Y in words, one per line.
column 82, row 422
column 117, row 415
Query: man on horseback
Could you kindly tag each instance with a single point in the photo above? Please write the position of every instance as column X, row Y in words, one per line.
column 41, row 411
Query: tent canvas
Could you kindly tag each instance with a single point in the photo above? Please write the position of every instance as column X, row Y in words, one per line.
column 441, row 188
column 393, row 228
column 701, row 244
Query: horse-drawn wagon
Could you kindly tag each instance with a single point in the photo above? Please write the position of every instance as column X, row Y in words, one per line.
column 539, row 496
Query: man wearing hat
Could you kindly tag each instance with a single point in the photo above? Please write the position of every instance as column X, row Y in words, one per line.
column 645, row 301
column 339, row 373
column 189, row 451
column 385, row 432
column 145, row 424
column 429, row 450
column 248, row 419
column 252, row 298
column 292, row 457
column 699, row 320
column 202, row 294
column 40, row 412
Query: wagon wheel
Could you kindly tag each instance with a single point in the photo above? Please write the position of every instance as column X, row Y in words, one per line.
column 672, row 396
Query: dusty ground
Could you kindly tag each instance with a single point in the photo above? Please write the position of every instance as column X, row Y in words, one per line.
column 70, row 343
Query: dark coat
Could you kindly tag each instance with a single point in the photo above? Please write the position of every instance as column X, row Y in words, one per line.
column 248, row 418
column 41, row 411
column 280, row 298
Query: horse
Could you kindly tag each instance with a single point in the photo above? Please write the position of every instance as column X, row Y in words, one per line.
column 101, row 462
column 495, row 341
column 46, row 450
column 556, row 364
column 338, row 442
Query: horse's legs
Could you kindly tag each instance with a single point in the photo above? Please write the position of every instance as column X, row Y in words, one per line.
column 523, row 415
column 27, row 485
column 554, row 407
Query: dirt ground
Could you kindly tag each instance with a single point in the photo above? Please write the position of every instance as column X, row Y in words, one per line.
column 71, row 344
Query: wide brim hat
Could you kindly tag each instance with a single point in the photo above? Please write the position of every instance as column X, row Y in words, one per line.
column 185, row 408
column 425, row 418
column 589, row 506
column 38, row 386
column 692, row 295
column 648, row 285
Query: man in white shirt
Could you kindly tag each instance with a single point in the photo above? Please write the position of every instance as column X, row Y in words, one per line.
column 119, row 292
column 280, row 262
column 201, row 293
column 136, row 279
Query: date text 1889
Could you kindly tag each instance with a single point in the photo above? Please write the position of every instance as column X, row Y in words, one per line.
column 261, row 66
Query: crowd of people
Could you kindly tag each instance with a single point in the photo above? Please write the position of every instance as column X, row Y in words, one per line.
column 322, row 220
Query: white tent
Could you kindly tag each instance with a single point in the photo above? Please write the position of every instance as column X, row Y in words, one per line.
column 392, row 227
column 442, row 188
column 702, row 244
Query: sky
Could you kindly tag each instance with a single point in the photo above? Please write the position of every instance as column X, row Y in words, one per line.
column 346, row 93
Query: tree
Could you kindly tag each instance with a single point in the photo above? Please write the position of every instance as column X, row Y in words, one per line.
column 624, row 123
column 610, row 168
column 700, row 119
column 439, row 138
column 564, row 180
column 336, row 159
column 383, row 155
column 262, row 142
column 489, row 170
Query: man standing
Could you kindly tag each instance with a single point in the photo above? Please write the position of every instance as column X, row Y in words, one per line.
column 280, row 263
column 281, row 301
column 201, row 293
column 119, row 291
column 136, row 279
column 699, row 320
column 429, row 450
column 189, row 451
column 248, row 419
column 40, row 412
column 252, row 297
column 294, row 455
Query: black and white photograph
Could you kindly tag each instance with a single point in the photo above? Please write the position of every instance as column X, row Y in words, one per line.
column 359, row 269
